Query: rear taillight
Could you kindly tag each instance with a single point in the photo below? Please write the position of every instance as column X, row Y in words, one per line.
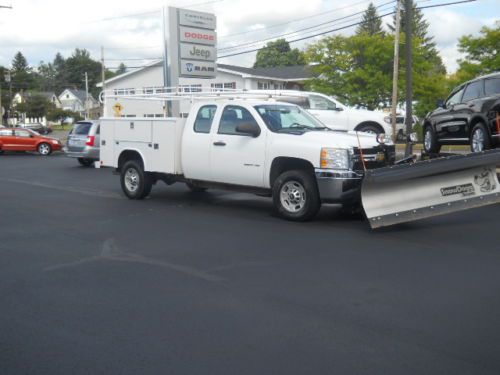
column 90, row 140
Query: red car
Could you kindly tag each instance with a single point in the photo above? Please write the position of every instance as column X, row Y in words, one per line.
column 27, row 140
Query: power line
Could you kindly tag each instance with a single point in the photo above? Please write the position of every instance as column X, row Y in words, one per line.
column 348, row 26
column 304, row 29
column 293, row 21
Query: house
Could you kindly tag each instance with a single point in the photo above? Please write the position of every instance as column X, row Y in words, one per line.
column 21, row 96
column 74, row 100
column 149, row 78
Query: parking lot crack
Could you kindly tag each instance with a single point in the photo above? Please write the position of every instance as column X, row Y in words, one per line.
column 111, row 252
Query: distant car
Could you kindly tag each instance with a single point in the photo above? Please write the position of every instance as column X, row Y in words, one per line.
column 37, row 127
column 470, row 115
column 331, row 112
column 83, row 142
column 15, row 139
column 401, row 125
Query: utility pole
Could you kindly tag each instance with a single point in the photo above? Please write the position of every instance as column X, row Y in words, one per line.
column 8, row 79
column 395, row 73
column 1, row 108
column 103, row 80
column 86, row 95
column 409, row 75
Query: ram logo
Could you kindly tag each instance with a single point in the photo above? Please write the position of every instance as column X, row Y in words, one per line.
column 484, row 180
column 189, row 67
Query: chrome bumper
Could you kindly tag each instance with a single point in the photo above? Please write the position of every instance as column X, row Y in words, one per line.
column 338, row 186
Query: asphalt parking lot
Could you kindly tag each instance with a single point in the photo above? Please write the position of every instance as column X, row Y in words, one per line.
column 183, row 283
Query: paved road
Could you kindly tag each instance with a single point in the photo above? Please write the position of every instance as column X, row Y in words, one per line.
column 92, row 283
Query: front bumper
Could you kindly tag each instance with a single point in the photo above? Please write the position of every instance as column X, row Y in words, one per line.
column 338, row 187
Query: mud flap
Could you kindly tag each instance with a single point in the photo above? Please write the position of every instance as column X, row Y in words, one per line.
column 430, row 188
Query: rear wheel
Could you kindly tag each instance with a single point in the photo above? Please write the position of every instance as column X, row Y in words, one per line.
column 85, row 162
column 44, row 149
column 431, row 144
column 295, row 195
column 135, row 182
column 479, row 138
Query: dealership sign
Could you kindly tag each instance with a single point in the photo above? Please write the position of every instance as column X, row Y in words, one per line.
column 193, row 43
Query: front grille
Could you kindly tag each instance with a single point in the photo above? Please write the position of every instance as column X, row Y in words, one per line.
column 375, row 157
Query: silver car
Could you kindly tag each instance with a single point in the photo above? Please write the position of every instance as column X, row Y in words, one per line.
column 83, row 142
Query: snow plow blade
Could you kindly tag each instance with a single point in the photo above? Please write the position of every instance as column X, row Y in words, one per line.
column 409, row 192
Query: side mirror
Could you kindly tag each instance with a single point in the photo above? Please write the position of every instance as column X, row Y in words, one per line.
column 440, row 103
column 249, row 128
column 338, row 109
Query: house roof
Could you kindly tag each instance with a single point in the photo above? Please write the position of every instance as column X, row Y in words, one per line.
column 80, row 94
column 283, row 73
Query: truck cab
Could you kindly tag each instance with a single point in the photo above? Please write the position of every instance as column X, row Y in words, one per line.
column 269, row 148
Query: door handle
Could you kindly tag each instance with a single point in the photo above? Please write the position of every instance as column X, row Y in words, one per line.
column 219, row 143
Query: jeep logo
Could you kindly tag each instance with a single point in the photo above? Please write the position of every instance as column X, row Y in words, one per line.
column 199, row 52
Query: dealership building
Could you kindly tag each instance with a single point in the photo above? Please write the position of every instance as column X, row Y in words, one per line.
column 149, row 79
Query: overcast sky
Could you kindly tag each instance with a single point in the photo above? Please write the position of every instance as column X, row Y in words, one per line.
column 131, row 30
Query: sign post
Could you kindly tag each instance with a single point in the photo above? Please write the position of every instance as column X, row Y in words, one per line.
column 190, row 49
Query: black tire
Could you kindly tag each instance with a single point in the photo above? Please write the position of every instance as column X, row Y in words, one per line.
column 303, row 201
column 479, row 131
column 135, row 182
column 195, row 189
column 85, row 162
column 400, row 137
column 44, row 149
column 368, row 128
column 431, row 144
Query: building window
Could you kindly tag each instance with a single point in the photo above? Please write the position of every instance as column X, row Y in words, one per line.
column 159, row 115
column 124, row 91
column 223, row 86
column 190, row 88
column 153, row 90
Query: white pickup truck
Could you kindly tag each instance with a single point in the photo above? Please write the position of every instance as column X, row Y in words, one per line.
column 268, row 148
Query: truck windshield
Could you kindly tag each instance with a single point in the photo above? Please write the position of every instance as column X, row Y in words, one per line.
column 286, row 118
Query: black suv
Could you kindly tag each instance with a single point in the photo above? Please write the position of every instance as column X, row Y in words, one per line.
column 470, row 115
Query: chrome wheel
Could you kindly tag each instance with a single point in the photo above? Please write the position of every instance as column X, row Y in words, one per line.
column 428, row 140
column 132, row 180
column 44, row 149
column 293, row 196
column 478, row 139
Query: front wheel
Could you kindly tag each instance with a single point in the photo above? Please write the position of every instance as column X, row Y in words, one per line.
column 371, row 129
column 295, row 195
column 44, row 149
column 479, row 139
column 431, row 145
column 135, row 182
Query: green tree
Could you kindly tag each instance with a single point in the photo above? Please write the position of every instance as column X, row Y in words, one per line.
column 34, row 105
column 23, row 78
column 371, row 22
column 482, row 54
column 420, row 30
column 358, row 71
column 59, row 115
column 77, row 65
column 278, row 53
column 121, row 69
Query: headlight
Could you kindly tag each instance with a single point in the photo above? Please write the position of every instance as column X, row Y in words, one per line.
column 56, row 142
column 334, row 158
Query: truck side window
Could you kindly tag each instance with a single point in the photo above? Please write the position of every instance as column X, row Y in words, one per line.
column 455, row 97
column 204, row 118
column 232, row 116
column 318, row 102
